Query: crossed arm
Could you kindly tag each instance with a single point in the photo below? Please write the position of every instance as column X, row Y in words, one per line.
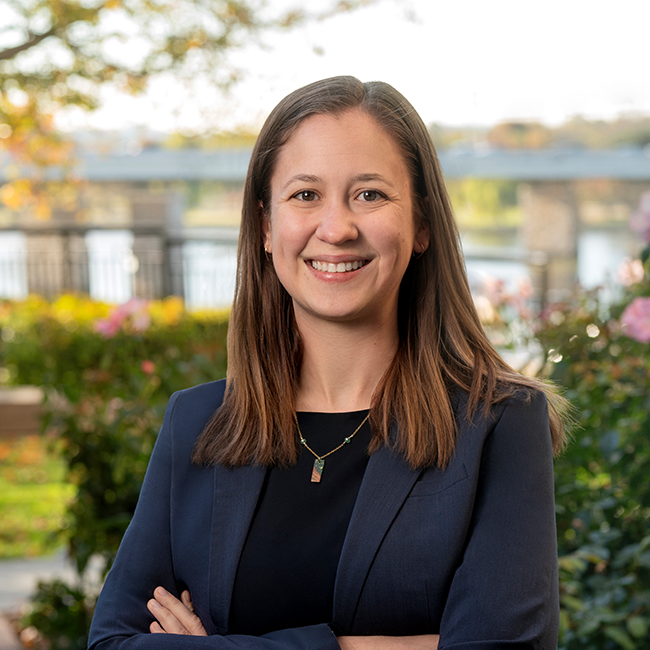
column 174, row 616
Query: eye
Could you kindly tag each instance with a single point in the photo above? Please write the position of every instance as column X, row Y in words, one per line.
column 306, row 195
column 371, row 195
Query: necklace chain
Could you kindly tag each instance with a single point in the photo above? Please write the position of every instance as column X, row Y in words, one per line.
column 319, row 463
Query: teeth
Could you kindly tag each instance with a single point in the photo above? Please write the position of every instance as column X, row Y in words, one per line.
column 341, row 267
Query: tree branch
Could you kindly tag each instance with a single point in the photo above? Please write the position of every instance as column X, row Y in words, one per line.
column 34, row 39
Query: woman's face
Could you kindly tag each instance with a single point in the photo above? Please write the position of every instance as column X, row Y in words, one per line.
column 340, row 226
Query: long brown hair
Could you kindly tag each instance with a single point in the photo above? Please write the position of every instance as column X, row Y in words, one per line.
column 442, row 345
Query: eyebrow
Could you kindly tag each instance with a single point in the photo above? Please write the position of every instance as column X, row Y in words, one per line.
column 305, row 178
column 367, row 178
column 363, row 178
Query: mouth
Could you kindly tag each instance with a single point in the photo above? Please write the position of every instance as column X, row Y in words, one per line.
column 341, row 267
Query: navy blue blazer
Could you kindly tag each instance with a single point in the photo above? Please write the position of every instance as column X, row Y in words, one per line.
column 468, row 552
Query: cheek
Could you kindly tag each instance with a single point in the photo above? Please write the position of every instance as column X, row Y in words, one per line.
column 398, row 241
column 289, row 235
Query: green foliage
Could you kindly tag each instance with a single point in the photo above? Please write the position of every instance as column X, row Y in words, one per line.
column 576, row 132
column 485, row 203
column 631, row 130
column 107, row 377
column 61, row 614
column 603, row 479
column 33, row 498
column 106, row 395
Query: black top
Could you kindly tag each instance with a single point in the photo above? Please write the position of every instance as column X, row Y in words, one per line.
column 287, row 569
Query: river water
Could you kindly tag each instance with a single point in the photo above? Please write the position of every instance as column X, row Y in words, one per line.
column 209, row 268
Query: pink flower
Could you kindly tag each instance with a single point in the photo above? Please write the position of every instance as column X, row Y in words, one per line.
column 109, row 327
column 630, row 272
column 640, row 220
column 636, row 320
column 138, row 310
column 135, row 310
column 495, row 290
column 148, row 367
column 519, row 299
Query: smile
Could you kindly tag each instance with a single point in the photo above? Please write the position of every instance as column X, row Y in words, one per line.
column 341, row 267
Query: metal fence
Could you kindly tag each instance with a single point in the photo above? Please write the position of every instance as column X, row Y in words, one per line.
column 201, row 271
column 151, row 266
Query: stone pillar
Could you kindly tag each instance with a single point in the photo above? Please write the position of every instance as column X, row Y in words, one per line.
column 46, row 260
column 174, row 271
column 149, row 252
column 77, row 266
column 551, row 227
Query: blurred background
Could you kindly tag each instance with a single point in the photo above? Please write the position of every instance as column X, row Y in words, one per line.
column 149, row 114
column 125, row 133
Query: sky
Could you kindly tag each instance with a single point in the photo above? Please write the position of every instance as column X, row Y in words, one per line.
column 459, row 62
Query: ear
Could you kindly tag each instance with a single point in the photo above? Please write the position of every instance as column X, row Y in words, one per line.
column 266, row 228
column 421, row 241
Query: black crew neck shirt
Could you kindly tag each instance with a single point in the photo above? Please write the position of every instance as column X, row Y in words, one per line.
column 287, row 569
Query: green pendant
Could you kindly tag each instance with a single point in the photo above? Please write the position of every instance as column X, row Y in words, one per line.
column 317, row 472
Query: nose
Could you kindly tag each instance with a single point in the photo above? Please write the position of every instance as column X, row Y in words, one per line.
column 337, row 223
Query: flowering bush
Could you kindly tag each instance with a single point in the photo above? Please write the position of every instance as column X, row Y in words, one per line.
column 600, row 352
column 132, row 315
column 636, row 320
column 107, row 375
column 506, row 315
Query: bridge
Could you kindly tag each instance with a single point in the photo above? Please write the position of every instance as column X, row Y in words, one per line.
column 630, row 164
column 561, row 192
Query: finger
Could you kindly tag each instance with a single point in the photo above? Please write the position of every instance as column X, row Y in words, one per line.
column 188, row 621
column 155, row 628
column 186, row 599
column 167, row 620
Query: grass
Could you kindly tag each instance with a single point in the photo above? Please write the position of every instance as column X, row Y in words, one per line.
column 33, row 498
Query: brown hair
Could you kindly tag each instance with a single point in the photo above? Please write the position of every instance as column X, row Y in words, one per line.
column 442, row 344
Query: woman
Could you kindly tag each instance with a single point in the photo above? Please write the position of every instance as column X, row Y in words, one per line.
column 371, row 474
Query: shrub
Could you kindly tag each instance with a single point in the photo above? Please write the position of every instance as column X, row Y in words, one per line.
column 107, row 375
column 599, row 351
column 603, row 479
column 60, row 614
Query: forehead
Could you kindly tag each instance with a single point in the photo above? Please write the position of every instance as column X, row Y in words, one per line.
column 353, row 139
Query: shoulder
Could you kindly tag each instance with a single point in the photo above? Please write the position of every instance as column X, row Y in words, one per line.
column 208, row 395
column 518, row 420
column 525, row 404
column 190, row 410
column 521, row 399
column 521, row 428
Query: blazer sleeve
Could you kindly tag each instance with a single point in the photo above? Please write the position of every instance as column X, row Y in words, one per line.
column 504, row 595
column 144, row 561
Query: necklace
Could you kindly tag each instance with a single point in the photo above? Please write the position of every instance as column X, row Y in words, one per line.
column 319, row 462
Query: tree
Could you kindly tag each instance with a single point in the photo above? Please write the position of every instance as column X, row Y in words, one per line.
column 519, row 135
column 60, row 53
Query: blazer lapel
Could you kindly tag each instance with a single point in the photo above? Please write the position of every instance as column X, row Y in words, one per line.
column 386, row 483
column 236, row 492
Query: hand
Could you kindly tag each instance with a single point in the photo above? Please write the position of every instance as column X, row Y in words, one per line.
column 174, row 616
column 416, row 642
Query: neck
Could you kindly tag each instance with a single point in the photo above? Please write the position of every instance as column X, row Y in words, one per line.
column 342, row 364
